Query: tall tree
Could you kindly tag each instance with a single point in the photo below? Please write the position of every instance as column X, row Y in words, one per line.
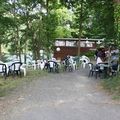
column 102, row 19
column 117, row 22
column 80, row 10
column 5, row 22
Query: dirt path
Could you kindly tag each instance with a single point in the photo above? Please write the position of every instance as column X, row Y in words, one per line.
column 69, row 96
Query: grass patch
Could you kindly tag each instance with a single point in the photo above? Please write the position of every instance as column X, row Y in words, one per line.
column 112, row 85
column 6, row 86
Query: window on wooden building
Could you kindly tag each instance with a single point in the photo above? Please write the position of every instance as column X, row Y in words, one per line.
column 60, row 43
column 71, row 43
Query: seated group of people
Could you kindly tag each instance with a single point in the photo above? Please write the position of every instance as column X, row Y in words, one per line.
column 111, row 57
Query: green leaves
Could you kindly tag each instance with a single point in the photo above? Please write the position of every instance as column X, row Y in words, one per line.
column 35, row 24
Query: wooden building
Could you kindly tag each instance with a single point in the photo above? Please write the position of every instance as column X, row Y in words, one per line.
column 69, row 46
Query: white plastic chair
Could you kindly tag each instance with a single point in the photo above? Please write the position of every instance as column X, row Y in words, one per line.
column 84, row 61
column 22, row 68
column 3, row 69
column 42, row 65
column 38, row 64
column 15, row 68
column 34, row 65
column 74, row 65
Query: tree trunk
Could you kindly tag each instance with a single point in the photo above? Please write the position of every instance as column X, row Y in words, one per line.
column 117, row 1
column 26, row 34
column 18, row 45
column 80, row 26
column 0, row 51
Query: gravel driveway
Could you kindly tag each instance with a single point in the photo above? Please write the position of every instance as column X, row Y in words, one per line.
column 65, row 96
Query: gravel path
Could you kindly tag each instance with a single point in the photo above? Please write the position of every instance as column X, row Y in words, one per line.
column 66, row 96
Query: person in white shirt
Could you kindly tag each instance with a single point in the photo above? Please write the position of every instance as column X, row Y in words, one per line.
column 99, row 60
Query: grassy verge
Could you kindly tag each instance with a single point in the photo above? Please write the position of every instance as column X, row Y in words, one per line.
column 112, row 85
column 6, row 86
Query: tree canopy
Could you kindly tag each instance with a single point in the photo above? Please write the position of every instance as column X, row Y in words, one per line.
column 31, row 25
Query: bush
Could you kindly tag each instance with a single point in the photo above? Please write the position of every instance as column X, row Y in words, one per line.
column 112, row 85
column 89, row 54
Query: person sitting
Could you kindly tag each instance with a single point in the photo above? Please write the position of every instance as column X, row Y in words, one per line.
column 47, row 65
column 51, row 66
column 114, row 61
column 101, row 54
column 114, row 65
column 66, row 62
column 99, row 60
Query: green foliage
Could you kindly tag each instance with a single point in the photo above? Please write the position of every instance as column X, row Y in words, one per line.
column 112, row 85
column 117, row 23
column 34, row 24
column 63, row 32
column 102, row 20
column 97, row 18
column 89, row 54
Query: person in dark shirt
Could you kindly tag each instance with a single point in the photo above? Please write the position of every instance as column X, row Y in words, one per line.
column 101, row 54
